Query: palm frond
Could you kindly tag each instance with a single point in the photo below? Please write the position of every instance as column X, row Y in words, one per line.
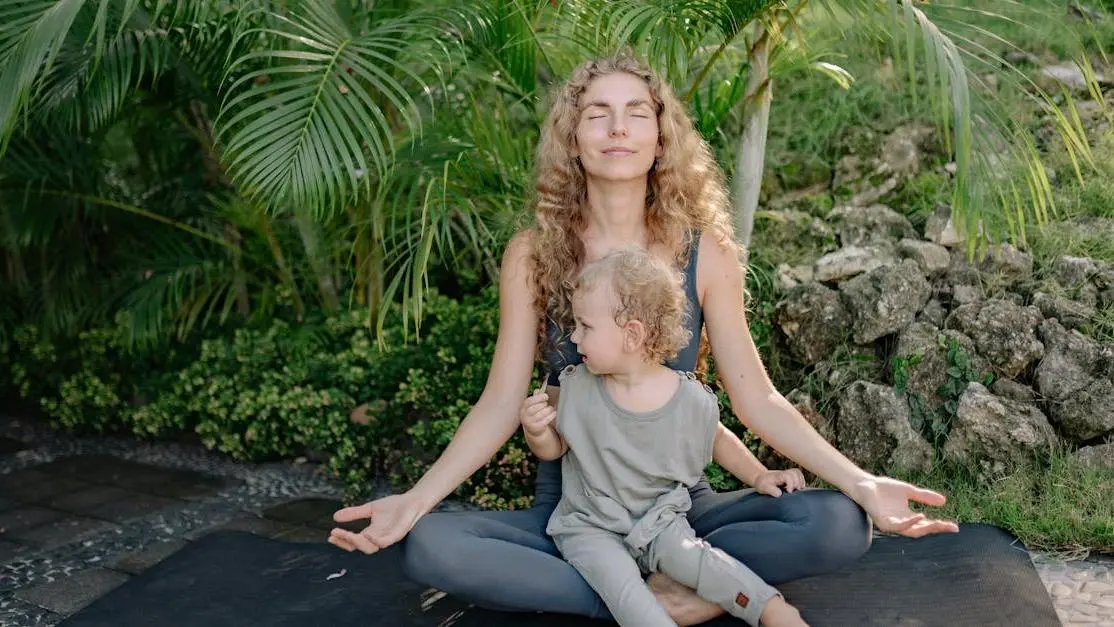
column 83, row 58
column 452, row 198
column 673, row 33
column 174, row 285
column 31, row 35
column 503, row 37
column 325, row 106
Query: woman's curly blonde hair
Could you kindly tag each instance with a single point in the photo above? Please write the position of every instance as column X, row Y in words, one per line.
column 686, row 194
column 645, row 288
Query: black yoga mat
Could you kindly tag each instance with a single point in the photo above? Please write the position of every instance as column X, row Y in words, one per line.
column 980, row 576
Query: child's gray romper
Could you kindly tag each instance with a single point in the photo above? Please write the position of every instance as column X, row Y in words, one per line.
column 624, row 494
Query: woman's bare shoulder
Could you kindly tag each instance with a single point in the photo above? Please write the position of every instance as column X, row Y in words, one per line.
column 520, row 247
column 718, row 260
column 518, row 255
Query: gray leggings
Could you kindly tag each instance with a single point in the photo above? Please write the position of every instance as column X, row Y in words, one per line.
column 504, row 560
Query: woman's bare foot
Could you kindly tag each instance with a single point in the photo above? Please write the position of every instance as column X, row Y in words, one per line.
column 778, row 613
column 681, row 603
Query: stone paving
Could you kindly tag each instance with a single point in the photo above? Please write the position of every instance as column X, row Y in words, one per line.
column 1082, row 590
column 80, row 516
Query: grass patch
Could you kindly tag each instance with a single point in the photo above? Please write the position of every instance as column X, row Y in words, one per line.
column 1046, row 28
column 790, row 238
column 918, row 198
column 1061, row 506
column 1102, row 325
column 826, row 382
column 1065, row 239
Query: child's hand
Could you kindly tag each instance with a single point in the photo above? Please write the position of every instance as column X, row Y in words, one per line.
column 536, row 414
column 772, row 482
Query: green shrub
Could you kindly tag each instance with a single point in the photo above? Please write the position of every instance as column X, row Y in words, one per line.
column 324, row 389
column 91, row 383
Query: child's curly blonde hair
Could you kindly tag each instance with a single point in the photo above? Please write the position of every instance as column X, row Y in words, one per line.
column 647, row 289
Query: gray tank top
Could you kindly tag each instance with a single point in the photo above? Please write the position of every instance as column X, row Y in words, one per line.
column 564, row 352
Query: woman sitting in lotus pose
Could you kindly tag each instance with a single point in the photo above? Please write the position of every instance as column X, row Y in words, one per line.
column 620, row 164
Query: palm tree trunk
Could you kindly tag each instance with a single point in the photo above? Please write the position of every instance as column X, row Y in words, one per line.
column 360, row 280
column 307, row 229
column 17, row 274
column 239, row 280
column 750, row 151
column 377, row 240
column 280, row 261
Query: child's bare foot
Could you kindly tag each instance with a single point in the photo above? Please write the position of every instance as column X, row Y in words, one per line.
column 778, row 613
column 681, row 603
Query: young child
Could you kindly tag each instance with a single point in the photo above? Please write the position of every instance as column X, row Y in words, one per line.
column 635, row 435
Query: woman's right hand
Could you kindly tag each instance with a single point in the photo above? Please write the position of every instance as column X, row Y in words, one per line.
column 391, row 518
column 537, row 414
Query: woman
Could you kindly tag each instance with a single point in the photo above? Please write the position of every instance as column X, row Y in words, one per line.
column 620, row 163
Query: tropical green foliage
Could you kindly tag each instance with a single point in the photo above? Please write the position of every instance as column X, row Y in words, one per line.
column 222, row 220
column 205, row 162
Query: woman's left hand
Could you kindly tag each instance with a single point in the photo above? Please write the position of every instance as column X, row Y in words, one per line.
column 886, row 501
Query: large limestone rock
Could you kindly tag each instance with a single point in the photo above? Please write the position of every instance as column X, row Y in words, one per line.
column 924, row 349
column 1088, row 281
column 814, row 321
column 1099, row 455
column 933, row 313
column 1075, row 377
column 803, row 403
column 851, row 261
column 1008, row 264
column 874, row 429
column 864, row 225
column 940, row 228
column 1069, row 75
column 885, row 300
column 903, row 149
column 966, row 294
column 1072, row 314
column 960, row 271
column 1014, row 391
column 996, row 433
column 787, row 277
column 1073, row 272
column 1004, row 333
column 1087, row 414
column 933, row 259
column 1071, row 361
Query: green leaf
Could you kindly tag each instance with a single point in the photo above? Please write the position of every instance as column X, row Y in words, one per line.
column 842, row 77
column 331, row 101
column 31, row 34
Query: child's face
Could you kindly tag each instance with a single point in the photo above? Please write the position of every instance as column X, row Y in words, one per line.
column 597, row 337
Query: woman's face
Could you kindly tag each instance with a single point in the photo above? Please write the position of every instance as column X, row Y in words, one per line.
column 617, row 134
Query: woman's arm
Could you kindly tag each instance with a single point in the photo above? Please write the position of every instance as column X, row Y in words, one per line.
column 490, row 423
column 766, row 412
column 753, row 397
column 494, row 417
